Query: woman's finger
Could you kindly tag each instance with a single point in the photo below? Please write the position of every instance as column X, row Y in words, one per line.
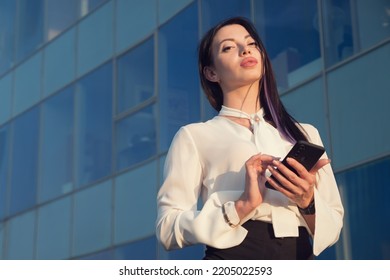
column 321, row 163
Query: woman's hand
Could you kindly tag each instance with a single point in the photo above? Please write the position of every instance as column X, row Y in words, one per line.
column 252, row 196
column 298, row 188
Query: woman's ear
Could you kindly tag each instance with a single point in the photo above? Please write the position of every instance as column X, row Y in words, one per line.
column 210, row 74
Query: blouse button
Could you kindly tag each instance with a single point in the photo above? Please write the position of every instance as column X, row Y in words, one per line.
column 257, row 119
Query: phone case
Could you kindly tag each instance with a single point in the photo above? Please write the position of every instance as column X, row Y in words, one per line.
column 305, row 153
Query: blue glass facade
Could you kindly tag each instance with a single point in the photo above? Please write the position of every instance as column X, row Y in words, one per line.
column 92, row 92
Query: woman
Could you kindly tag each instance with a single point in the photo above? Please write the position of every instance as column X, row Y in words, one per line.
column 227, row 160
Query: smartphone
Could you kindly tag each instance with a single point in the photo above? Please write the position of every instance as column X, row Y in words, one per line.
column 305, row 153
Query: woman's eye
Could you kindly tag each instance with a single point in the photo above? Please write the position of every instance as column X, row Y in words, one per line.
column 227, row 48
column 253, row 44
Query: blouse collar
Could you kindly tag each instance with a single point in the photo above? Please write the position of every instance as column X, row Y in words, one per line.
column 231, row 112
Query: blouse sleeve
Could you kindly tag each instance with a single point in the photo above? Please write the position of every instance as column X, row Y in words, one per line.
column 179, row 223
column 329, row 209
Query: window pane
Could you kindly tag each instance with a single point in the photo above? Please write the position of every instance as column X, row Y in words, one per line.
column 24, row 161
column 338, row 33
column 373, row 21
column 168, row 8
column 92, row 219
column 291, row 36
column 94, row 125
column 140, row 250
column 136, row 138
column 53, row 236
column 30, row 27
column 27, row 89
column 5, row 98
column 217, row 10
column 178, row 77
column 351, row 95
column 161, row 163
column 102, row 255
column 60, row 61
column 95, row 39
column 57, row 146
column 135, row 190
column 20, row 237
column 367, row 187
column 332, row 252
column 87, row 6
column 2, row 232
column 297, row 101
column 134, row 21
column 136, row 76
column 7, row 34
column 60, row 15
column 4, row 154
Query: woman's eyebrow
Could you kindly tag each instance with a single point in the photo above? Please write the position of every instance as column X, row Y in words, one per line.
column 233, row 40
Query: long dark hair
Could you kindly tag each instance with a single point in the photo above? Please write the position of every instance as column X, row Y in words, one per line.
column 274, row 110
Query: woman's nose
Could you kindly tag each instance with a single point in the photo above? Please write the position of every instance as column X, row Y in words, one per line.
column 245, row 51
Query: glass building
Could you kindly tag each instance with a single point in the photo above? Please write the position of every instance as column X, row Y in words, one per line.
column 92, row 92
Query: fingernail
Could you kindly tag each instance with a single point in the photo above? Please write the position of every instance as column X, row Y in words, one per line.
column 275, row 162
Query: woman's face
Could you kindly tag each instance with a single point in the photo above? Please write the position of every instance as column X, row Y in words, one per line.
column 236, row 58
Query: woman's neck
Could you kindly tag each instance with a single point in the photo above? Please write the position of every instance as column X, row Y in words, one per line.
column 244, row 98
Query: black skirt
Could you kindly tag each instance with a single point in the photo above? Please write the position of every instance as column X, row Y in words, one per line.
column 261, row 244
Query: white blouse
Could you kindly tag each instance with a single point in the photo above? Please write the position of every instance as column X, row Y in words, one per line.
column 207, row 160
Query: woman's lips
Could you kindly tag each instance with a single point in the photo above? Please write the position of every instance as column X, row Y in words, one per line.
column 248, row 62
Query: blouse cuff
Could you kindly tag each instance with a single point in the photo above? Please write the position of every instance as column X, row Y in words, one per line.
column 208, row 226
